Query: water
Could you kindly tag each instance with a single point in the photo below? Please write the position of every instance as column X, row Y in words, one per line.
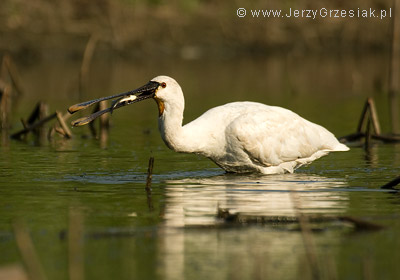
column 175, row 233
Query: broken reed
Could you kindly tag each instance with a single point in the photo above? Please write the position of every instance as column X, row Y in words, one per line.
column 10, row 82
column 38, row 119
column 369, row 128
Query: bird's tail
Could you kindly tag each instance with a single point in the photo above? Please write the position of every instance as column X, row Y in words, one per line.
column 341, row 148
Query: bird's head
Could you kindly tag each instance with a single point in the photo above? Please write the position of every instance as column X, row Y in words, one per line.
column 168, row 92
column 163, row 89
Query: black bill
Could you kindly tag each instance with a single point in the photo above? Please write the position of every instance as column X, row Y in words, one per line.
column 126, row 98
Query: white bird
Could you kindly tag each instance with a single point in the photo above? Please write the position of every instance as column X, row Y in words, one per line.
column 239, row 137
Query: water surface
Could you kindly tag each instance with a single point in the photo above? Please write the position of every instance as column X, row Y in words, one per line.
column 175, row 233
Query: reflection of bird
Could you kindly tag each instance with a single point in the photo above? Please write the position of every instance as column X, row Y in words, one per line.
column 239, row 136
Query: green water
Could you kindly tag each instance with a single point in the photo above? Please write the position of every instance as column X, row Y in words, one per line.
column 174, row 234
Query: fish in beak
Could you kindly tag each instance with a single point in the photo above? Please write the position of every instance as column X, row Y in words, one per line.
column 122, row 99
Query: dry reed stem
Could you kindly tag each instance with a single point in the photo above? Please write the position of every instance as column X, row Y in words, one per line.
column 394, row 70
column 104, row 124
column 306, row 234
column 30, row 128
column 13, row 272
column 369, row 117
column 86, row 61
column 369, row 113
column 148, row 183
column 28, row 252
column 65, row 128
column 391, row 184
column 75, row 244
column 9, row 67
column 149, row 172
column 5, row 100
column 92, row 128
column 368, row 135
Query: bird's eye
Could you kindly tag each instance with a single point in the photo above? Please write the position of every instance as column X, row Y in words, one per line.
column 163, row 85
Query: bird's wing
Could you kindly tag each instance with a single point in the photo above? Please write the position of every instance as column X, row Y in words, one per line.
column 274, row 136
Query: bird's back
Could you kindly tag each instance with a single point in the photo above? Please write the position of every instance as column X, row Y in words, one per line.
column 249, row 136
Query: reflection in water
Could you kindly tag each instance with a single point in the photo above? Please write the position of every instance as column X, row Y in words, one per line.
column 243, row 251
column 195, row 201
column 371, row 156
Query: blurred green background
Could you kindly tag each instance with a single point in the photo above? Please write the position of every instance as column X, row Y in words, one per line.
column 188, row 29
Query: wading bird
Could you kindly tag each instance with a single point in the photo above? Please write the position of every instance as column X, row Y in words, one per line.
column 239, row 137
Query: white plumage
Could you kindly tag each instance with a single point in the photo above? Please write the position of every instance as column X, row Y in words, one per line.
column 239, row 136
column 242, row 136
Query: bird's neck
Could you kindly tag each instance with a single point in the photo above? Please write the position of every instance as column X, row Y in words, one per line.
column 174, row 135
